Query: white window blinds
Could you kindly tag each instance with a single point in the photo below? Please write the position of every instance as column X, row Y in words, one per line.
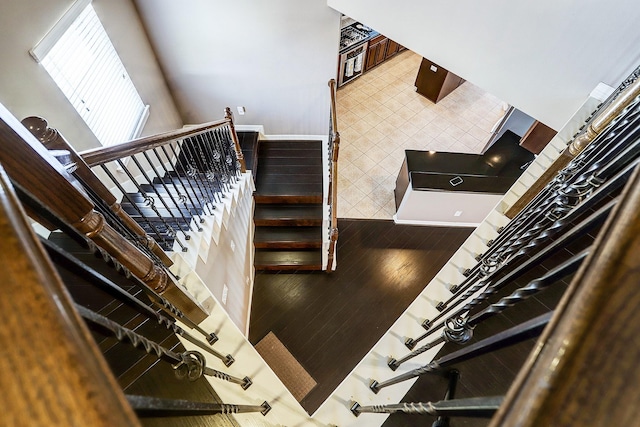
column 80, row 58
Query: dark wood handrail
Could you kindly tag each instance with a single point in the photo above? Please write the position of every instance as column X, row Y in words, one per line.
column 102, row 155
column 54, row 373
column 53, row 140
column 333, row 178
column 584, row 370
column 597, row 125
column 31, row 165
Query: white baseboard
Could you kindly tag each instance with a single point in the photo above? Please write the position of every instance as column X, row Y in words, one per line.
column 435, row 223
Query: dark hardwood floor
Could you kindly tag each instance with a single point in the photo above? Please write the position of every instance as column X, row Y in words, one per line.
column 330, row 321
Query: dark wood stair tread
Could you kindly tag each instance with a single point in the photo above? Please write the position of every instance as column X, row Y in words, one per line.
column 292, row 145
column 281, row 259
column 303, row 197
column 288, row 237
column 292, row 214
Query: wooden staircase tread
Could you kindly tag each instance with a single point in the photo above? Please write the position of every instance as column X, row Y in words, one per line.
column 291, row 178
column 291, row 144
column 289, row 188
column 300, row 161
column 288, row 153
column 303, row 198
column 288, row 237
column 277, row 259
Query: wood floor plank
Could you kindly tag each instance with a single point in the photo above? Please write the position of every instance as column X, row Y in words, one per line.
column 326, row 320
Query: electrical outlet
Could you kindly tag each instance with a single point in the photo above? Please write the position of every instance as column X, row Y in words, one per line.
column 241, row 110
column 225, row 292
column 458, row 213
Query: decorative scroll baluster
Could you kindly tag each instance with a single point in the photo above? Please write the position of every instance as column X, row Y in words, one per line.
column 151, row 200
column 200, row 194
column 624, row 95
column 195, row 166
column 570, row 201
column 459, row 328
column 190, row 364
column 184, row 197
column 511, row 336
column 42, row 212
column 588, row 224
column 193, row 197
column 143, row 217
column 151, row 204
column 480, row 407
column 154, row 406
column 98, row 280
column 52, row 139
column 212, row 158
column 176, row 203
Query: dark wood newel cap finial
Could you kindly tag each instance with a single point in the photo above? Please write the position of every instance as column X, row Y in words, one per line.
column 39, row 128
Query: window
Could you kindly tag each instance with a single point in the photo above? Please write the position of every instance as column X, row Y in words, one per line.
column 80, row 58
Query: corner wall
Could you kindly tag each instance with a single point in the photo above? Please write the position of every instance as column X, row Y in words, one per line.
column 27, row 90
column 543, row 57
column 272, row 57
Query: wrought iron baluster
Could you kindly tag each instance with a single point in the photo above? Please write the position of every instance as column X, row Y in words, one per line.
column 216, row 175
column 175, row 202
column 459, row 327
column 594, row 220
column 226, row 131
column 598, row 190
column 170, row 230
column 135, row 206
column 226, row 142
column 45, row 213
column 198, row 195
column 183, row 195
column 151, row 200
column 195, row 167
column 511, row 336
column 190, row 364
column 154, row 406
column 480, row 407
column 72, row 263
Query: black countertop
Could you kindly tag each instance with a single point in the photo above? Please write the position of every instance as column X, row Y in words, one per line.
column 493, row 172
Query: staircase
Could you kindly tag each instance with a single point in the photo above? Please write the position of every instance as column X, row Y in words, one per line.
column 288, row 210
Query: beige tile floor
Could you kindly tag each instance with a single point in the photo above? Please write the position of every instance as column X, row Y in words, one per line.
column 380, row 115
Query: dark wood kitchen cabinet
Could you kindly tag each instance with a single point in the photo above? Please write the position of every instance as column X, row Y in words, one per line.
column 381, row 49
column 377, row 51
column 435, row 82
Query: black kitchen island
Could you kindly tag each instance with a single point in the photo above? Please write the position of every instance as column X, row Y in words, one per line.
column 441, row 188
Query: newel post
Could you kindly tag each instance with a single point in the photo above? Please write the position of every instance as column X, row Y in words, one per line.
column 53, row 140
column 30, row 165
column 229, row 116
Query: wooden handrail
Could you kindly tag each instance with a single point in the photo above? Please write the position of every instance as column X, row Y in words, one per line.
column 54, row 374
column 53, row 140
column 597, row 125
column 228, row 115
column 584, row 369
column 102, row 155
column 333, row 178
column 31, row 165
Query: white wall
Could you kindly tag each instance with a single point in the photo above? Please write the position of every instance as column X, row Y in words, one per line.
column 26, row 89
column 544, row 57
column 272, row 57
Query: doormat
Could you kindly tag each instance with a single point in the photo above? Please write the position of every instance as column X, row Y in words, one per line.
column 285, row 366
